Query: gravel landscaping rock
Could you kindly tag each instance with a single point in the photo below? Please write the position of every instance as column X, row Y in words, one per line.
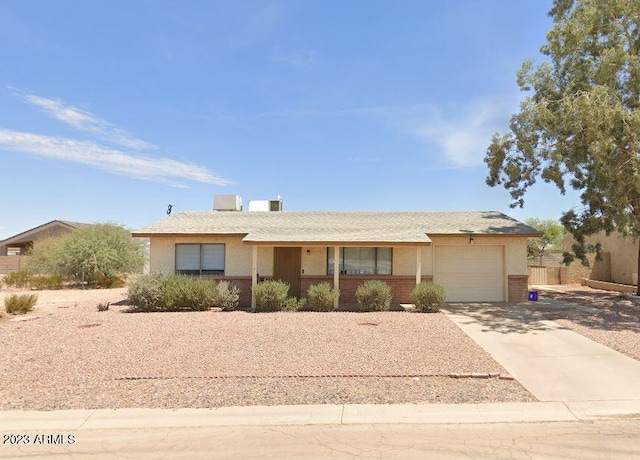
column 75, row 357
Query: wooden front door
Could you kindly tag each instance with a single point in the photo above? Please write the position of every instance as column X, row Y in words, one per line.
column 286, row 267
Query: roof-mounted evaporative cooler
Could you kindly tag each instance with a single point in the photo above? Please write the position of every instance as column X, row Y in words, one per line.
column 227, row 203
column 265, row 205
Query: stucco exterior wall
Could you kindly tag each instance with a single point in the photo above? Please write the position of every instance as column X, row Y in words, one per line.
column 427, row 260
column 623, row 254
column 315, row 262
column 404, row 261
column 515, row 249
column 265, row 261
column 238, row 255
column 238, row 260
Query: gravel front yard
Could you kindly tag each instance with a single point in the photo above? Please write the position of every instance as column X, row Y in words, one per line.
column 609, row 318
column 74, row 357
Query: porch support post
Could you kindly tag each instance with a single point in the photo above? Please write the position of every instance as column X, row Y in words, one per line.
column 254, row 275
column 336, row 273
column 418, row 264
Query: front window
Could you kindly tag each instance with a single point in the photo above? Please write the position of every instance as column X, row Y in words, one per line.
column 200, row 259
column 362, row 261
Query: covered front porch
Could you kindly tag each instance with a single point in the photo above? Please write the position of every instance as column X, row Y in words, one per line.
column 400, row 266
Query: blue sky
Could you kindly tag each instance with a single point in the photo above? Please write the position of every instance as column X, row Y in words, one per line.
column 112, row 110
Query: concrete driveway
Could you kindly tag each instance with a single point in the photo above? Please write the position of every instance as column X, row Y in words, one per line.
column 553, row 363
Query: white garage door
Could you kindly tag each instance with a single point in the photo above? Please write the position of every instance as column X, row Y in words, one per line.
column 470, row 273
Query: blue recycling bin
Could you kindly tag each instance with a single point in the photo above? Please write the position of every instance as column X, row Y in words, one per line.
column 533, row 296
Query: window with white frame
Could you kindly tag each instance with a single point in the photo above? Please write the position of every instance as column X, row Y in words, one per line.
column 200, row 259
column 362, row 261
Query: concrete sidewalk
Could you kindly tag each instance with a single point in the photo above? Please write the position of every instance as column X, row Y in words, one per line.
column 593, row 440
column 348, row 414
column 553, row 363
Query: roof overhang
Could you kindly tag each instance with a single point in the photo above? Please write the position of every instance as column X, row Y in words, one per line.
column 182, row 234
column 338, row 237
column 337, row 243
column 28, row 235
column 501, row 235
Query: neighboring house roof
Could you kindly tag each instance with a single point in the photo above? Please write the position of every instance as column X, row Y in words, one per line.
column 28, row 235
column 396, row 227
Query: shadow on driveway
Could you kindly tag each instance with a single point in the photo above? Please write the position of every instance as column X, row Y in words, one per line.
column 599, row 310
column 593, row 309
column 506, row 318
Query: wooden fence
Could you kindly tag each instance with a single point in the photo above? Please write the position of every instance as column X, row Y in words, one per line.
column 572, row 274
column 547, row 275
column 9, row 264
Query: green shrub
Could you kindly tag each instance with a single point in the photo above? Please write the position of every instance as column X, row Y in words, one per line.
column 322, row 297
column 19, row 279
column 203, row 294
column 428, row 297
column 184, row 293
column 271, row 295
column 19, row 304
column 227, row 295
column 293, row 304
column 55, row 281
column 159, row 292
column 175, row 293
column 374, row 295
column 145, row 292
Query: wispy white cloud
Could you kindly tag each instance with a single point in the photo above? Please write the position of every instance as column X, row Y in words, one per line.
column 460, row 133
column 463, row 134
column 125, row 160
column 83, row 121
column 161, row 169
column 379, row 111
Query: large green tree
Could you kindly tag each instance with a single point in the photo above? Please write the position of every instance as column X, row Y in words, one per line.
column 553, row 234
column 579, row 124
column 97, row 252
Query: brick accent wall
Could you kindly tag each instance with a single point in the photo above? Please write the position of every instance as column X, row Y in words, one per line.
column 518, row 288
column 243, row 282
column 307, row 281
column 401, row 285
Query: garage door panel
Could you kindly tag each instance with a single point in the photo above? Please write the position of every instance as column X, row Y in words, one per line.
column 470, row 269
column 477, row 296
column 474, row 280
column 470, row 273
